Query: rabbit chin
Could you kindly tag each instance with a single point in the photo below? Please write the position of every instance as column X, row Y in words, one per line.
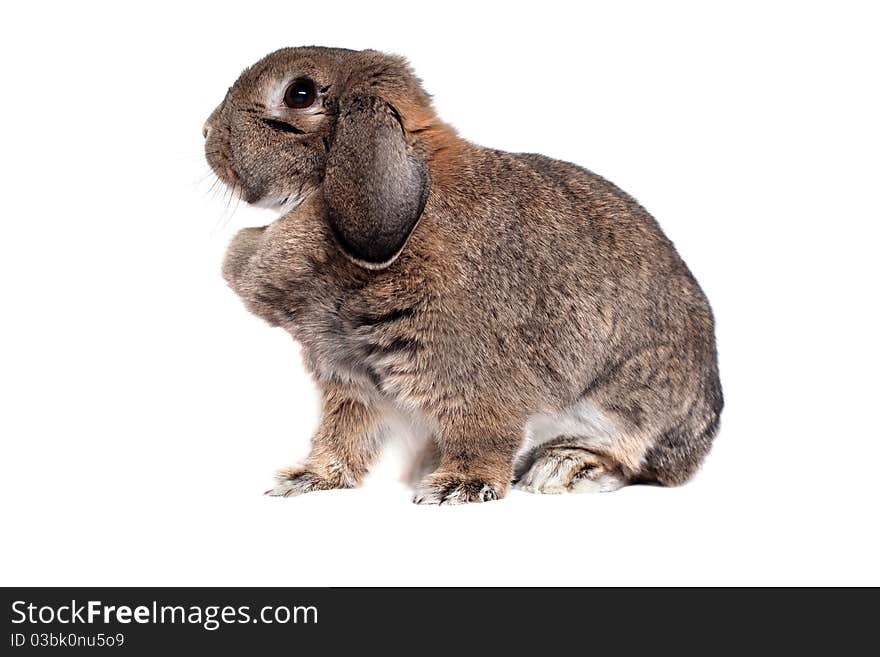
column 283, row 203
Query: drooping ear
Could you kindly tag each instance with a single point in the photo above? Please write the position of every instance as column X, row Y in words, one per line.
column 376, row 185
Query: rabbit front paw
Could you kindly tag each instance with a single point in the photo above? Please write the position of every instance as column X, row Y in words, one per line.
column 239, row 252
column 297, row 480
column 452, row 488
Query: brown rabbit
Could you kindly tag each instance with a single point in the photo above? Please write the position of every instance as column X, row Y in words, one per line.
column 524, row 313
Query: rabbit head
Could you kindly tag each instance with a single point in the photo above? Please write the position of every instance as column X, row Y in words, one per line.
column 337, row 122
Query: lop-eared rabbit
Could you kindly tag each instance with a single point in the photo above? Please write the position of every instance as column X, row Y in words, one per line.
column 525, row 318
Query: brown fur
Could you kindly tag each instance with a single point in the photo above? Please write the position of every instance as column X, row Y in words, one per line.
column 525, row 285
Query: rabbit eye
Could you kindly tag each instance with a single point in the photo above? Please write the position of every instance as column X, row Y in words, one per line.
column 300, row 94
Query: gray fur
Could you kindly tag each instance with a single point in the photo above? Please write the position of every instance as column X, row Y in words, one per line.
column 525, row 286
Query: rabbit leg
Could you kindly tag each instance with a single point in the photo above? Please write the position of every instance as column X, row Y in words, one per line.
column 470, row 470
column 650, row 418
column 344, row 447
column 239, row 252
column 567, row 464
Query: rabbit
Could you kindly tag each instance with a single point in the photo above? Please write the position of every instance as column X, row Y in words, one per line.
column 525, row 316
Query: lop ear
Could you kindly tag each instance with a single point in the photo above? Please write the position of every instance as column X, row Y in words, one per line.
column 375, row 185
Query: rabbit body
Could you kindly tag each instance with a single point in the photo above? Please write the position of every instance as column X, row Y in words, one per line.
column 534, row 324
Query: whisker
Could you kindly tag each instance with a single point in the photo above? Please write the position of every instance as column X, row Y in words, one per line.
column 201, row 180
column 213, row 186
column 234, row 192
column 218, row 223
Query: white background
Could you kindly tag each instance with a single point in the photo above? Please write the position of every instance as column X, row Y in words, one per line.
column 144, row 410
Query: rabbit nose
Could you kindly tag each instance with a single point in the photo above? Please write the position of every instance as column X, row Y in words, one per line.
column 206, row 130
